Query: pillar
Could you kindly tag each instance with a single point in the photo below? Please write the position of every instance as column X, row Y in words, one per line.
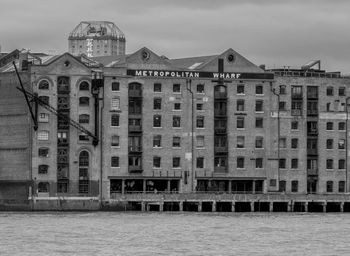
column 290, row 206
column 271, row 206
column 229, row 186
column 213, row 206
column 200, row 206
column 253, row 188
column 168, row 186
column 324, row 206
column 143, row 206
column 306, row 206
column 123, row 186
column 161, row 206
column 181, row 206
column 252, row 206
column 144, row 186
column 233, row 206
column 342, row 207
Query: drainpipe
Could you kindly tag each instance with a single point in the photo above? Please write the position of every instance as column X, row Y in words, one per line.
column 189, row 89
column 273, row 90
column 346, row 144
column 101, row 144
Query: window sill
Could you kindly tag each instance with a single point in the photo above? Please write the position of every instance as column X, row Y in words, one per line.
column 178, row 128
column 115, row 167
column 176, row 168
column 157, row 127
column 115, row 146
column 176, row 147
column 157, row 147
column 177, row 110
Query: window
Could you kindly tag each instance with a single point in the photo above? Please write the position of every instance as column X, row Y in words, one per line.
column 115, row 86
column 200, row 162
column 176, row 88
column 43, row 169
column 259, row 106
column 259, row 122
column 282, row 143
column 157, row 103
column 43, row 135
column 329, row 91
column 177, row 106
column 294, row 143
column 294, row 163
column 295, row 186
column 259, row 142
column 200, row 141
column 329, row 186
column 200, row 88
column 156, row 162
column 176, row 162
column 341, row 126
column 84, row 101
column 240, row 141
column 43, row 187
column 258, row 163
column 157, row 87
column 259, row 89
column 84, row 119
column 84, row 86
column 329, row 126
column 341, row 144
column 84, row 158
column 294, row 125
column 282, row 186
column 115, row 141
column 240, row 105
column 341, row 186
column 200, row 122
column 43, row 152
column 44, row 99
column 282, row 90
column 43, row 85
column 297, row 91
column 220, row 161
column 341, row 91
column 240, row 89
column 199, row 106
column 43, row 118
column 83, row 137
column 157, row 141
column 273, row 183
column 240, row 122
column 282, row 106
column 240, row 162
column 176, row 121
column 341, row 164
column 282, row 163
column 115, row 104
column 297, row 108
column 329, row 164
column 114, row 161
column 329, row 144
column 157, row 121
column 114, row 120
column 176, row 142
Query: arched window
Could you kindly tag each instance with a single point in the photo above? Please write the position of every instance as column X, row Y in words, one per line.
column 62, row 84
column 43, row 85
column 43, row 187
column 84, row 119
column 84, row 158
column 84, row 101
column 84, row 86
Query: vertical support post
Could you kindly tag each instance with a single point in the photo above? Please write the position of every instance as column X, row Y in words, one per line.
column 252, row 206
column 168, row 186
column 290, row 206
column 161, row 206
column 200, row 206
column 213, row 206
column 233, row 206
column 306, row 206
column 253, row 187
column 324, row 206
column 181, row 206
column 143, row 206
column 229, row 186
column 144, row 186
column 271, row 206
column 123, row 186
column 341, row 206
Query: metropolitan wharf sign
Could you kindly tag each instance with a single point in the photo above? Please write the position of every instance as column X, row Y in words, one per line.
column 197, row 74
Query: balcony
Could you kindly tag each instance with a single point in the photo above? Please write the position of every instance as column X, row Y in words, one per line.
column 312, row 132
column 220, row 149
column 296, row 112
column 220, row 169
column 135, row 169
column 312, row 172
column 312, row 112
column 135, row 128
column 220, row 112
column 135, row 93
column 135, row 149
column 220, row 95
column 63, row 89
column 312, row 151
column 220, row 130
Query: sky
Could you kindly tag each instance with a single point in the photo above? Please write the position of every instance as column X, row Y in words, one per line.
column 276, row 33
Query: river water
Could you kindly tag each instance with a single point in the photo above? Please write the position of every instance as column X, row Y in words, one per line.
column 133, row 233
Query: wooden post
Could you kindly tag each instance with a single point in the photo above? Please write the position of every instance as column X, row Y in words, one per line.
column 271, row 206
column 200, row 206
column 233, row 206
column 181, row 206
column 213, row 206
column 252, row 206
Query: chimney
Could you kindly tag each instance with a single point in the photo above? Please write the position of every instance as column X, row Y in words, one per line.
column 262, row 66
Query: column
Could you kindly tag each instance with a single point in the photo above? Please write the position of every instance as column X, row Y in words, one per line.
column 168, row 186
column 306, row 206
column 200, row 206
column 342, row 207
column 123, row 186
column 271, row 206
column 144, row 186
column 161, row 206
column 253, row 187
column 229, row 186
column 233, row 206
column 324, row 206
column 252, row 206
column 213, row 206
column 290, row 206
column 181, row 206
column 143, row 206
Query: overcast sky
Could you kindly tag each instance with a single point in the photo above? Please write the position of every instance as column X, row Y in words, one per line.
column 272, row 32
